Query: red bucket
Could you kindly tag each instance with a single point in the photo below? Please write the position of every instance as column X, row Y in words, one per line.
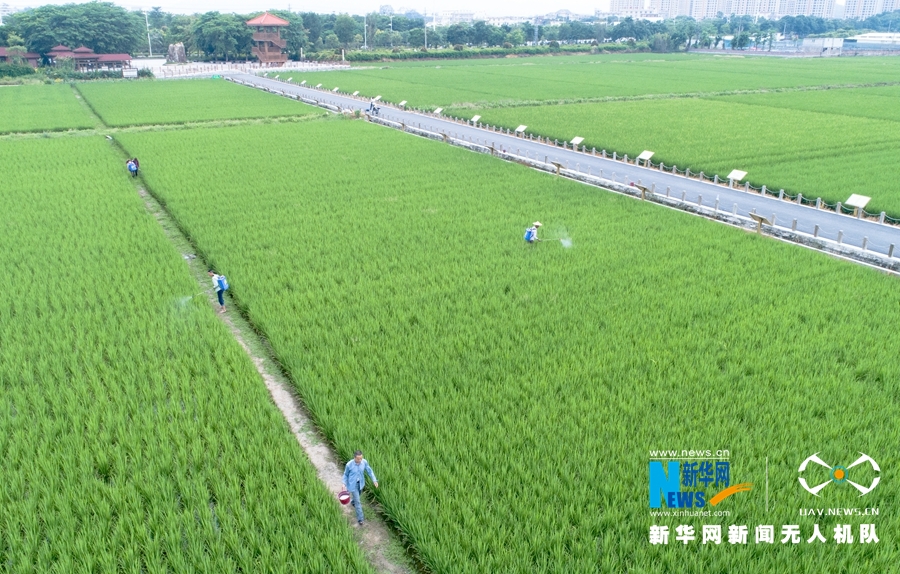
column 344, row 497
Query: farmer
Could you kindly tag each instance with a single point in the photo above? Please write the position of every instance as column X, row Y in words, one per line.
column 531, row 234
column 355, row 480
column 132, row 168
column 137, row 166
column 219, row 291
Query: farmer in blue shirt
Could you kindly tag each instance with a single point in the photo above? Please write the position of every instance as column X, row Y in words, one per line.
column 355, row 480
column 220, row 293
column 531, row 234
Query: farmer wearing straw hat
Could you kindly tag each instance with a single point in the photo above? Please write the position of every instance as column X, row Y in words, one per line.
column 531, row 234
column 355, row 481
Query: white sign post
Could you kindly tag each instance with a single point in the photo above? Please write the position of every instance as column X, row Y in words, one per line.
column 858, row 203
column 645, row 157
column 736, row 175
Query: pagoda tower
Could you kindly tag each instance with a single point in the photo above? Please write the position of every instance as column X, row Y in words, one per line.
column 267, row 41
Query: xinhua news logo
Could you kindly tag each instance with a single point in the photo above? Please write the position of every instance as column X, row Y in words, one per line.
column 838, row 474
column 692, row 482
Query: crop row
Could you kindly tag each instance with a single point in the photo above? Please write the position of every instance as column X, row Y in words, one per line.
column 41, row 108
column 507, row 394
column 183, row 101
column 135, row 434
column 502, row 82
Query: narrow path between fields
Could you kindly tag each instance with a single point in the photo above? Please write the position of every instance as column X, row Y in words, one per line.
column 381, row 548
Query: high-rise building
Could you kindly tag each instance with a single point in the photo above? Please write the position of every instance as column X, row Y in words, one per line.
column 862, row 9
column 626, row 7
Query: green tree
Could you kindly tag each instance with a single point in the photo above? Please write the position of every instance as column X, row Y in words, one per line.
column 15, row 49
column 222, row 35
column 459, row 34
column 101, row 26
column 740, row 41
column 345, row 28
column 312, row 22
column 416, row 37
column 516, row 37
column 295, row 34
column 331, row 41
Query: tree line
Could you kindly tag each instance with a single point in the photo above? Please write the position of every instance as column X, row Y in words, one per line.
column 107, row 28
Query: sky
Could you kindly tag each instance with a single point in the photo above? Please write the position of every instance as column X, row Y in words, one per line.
column 489, row 7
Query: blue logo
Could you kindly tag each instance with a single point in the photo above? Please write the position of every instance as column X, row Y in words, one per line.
column 685, row 485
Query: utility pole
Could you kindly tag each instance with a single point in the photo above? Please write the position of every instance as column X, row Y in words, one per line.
column 366, row 32
column 425, row 27
column 149, row 45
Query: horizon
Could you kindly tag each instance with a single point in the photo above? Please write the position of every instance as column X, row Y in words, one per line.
column 498, row 8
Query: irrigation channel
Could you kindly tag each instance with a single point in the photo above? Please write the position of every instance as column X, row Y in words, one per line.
column 863, row 240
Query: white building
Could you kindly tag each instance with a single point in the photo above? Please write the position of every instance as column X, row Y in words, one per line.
column 501, row 20
column 450, row 17
column 702, row 9
column 823, row 46
column 633, row 8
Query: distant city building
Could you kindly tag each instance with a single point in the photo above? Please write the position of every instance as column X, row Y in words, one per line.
column 703, row 9
column 502, row 20
column 560, row 16
column 633, row 8
column 5, row 10
column 862, row 9
column 450, row 17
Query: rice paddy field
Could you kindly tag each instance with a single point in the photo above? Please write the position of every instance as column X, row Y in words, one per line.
column 509, row 396
column 42, row 108
column 184, row 101
column 509, row 81
column 781, row 140
column 135, row 434
column 509, row 393
column 793, row 133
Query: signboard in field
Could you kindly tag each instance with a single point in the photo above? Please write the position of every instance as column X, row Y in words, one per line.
column 129, row 72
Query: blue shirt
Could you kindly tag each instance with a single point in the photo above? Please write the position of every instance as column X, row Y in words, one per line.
column 356, row 473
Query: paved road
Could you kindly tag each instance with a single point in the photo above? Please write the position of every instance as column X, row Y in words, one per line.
column 831, row 225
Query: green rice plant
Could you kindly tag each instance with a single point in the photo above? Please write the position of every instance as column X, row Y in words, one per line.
column 183, row 101
column 134, row 432
column 507, row 394
column 500, row 82
column 41, row 108
column 878, row 103
column 798, row 146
